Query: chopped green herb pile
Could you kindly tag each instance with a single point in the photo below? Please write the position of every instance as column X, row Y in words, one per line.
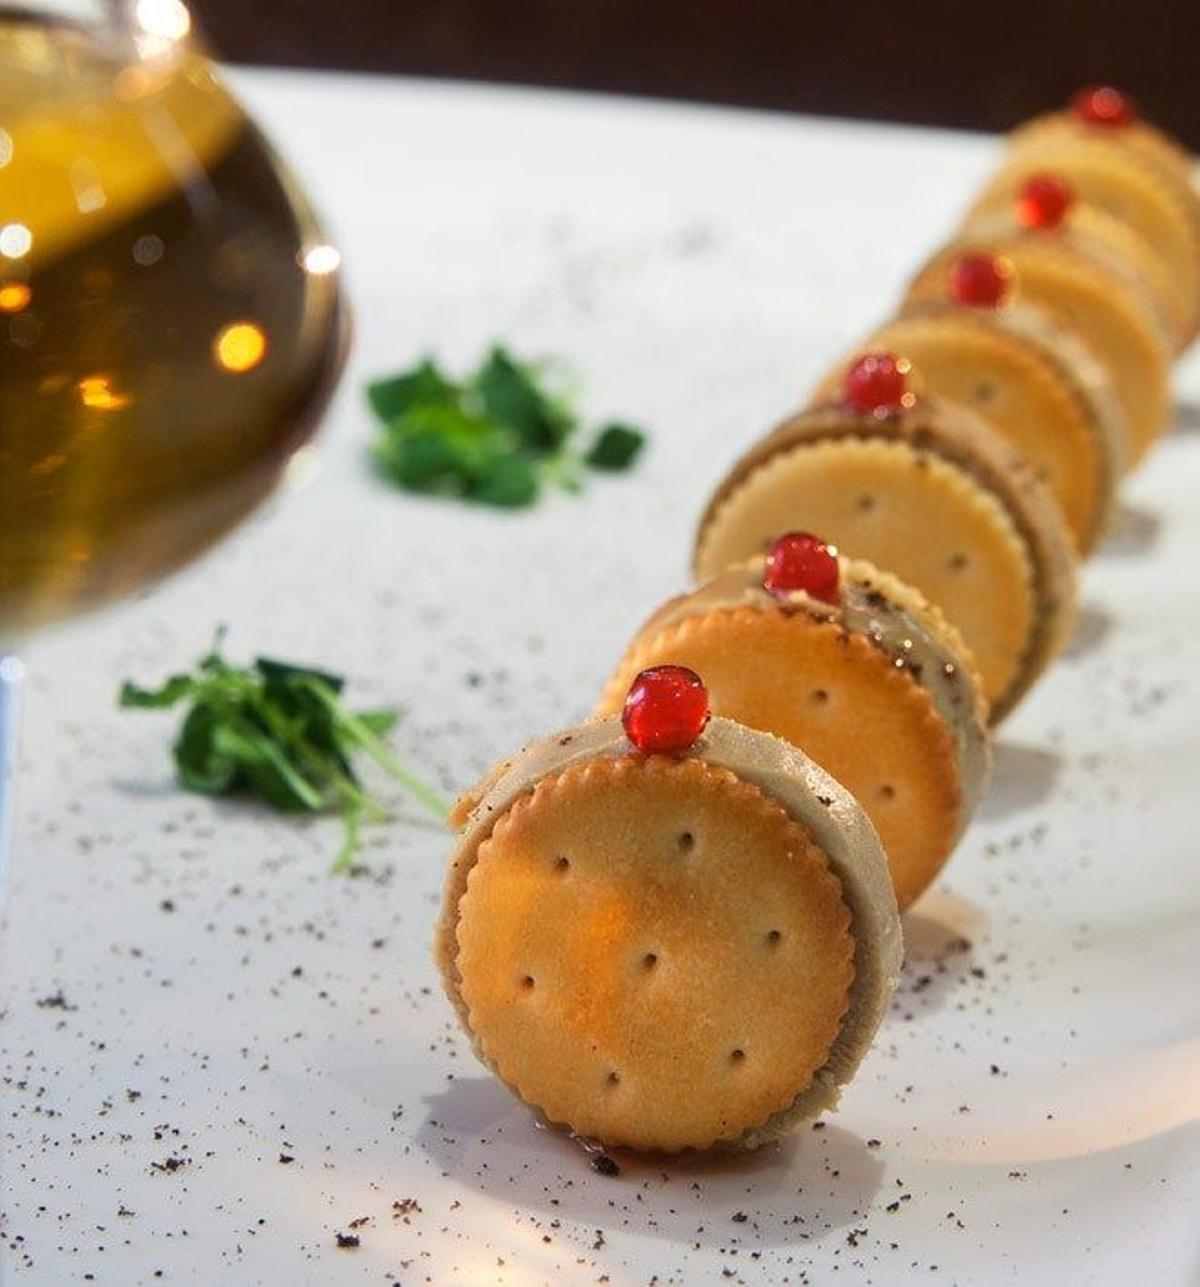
column 496, row 439
column 281, row 733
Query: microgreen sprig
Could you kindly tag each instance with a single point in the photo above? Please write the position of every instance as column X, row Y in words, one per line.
column 279, row 732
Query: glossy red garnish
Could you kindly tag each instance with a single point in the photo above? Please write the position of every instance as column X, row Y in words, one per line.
column 666, row 710
column 877, row 384
column 1043, row 201
column 979, row 280
column 1104, row 105
column 801, row 561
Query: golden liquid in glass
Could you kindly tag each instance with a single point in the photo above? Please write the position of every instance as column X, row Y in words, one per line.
column 169, row 320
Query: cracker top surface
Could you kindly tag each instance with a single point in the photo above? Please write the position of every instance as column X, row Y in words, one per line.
column 805, row 793
column 638, row 926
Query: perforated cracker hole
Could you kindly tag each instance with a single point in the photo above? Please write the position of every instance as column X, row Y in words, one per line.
column 887, row 791
column 613, row 1079
column 774, row 938
column 957, row 562
column 649, row 961
column 737, row 1056
column 865, row 503
column 685, row 842
column 562, row 863
column 985, row 391
column 527, row 983
column 819, row 696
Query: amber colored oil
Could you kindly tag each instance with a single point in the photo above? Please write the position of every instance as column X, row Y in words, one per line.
column 170, row 325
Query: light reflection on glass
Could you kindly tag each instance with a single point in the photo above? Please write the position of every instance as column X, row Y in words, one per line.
column 166, row 19
column 147, row 250
column 96, row 391
column 320, row 260
column 15, row 241
column 302, row 468
column 85, row 180
column 14, row 296
column 240, row 347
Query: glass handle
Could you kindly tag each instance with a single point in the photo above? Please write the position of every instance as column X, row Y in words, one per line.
column 11, row 674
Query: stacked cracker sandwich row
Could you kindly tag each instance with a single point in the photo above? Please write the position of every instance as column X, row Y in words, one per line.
column 676, row 926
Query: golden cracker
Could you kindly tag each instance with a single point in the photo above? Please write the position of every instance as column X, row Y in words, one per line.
column 1080, row 294
column 1099, row 234
column 638, row 926
column 843, row 701
column 1140, row 137
column 905, row 510
column 1124, row 174
column 1021, row 391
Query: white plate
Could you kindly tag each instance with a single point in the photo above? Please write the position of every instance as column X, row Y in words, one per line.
column 1031, row 1108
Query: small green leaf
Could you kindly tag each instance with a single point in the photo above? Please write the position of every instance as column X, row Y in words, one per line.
column 351, row 820
column 279, row 671
column 616, row 447
column 202, row 765
column 278, row 732
column 509, row 393
column 423, row 386
column 424, row 462
column 176, row 688
column 442, row 450
column 379, row 722
column 264, row 769
column 495, row 440
column 510, row 483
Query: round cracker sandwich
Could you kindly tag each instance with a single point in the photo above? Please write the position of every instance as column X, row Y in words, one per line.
column 1110, row 312
column 851, row 665
column 664, row 901
column 1033, row 381
column 1020, row 198
column 925, row 490
column 1118, row 162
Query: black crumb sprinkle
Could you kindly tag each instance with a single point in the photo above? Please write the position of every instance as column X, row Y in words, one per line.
column 55, row 1001
column 285, row 1158
column 169, row 1164
column 605, row 1165
column 347, row 1240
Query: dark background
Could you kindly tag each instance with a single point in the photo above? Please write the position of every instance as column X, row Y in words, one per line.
column 969, row 63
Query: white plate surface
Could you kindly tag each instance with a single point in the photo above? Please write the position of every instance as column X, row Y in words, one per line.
column 182, row 980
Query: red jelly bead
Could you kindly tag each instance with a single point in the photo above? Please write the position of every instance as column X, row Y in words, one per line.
column 979, row 280
column 1043, row 201
column 801, row 561
column 666, row 710
column 877, row 383
column 1103, row 105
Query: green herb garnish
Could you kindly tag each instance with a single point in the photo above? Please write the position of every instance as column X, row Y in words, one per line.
column 279, row 732
column 616, row 447
column 497, row 438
